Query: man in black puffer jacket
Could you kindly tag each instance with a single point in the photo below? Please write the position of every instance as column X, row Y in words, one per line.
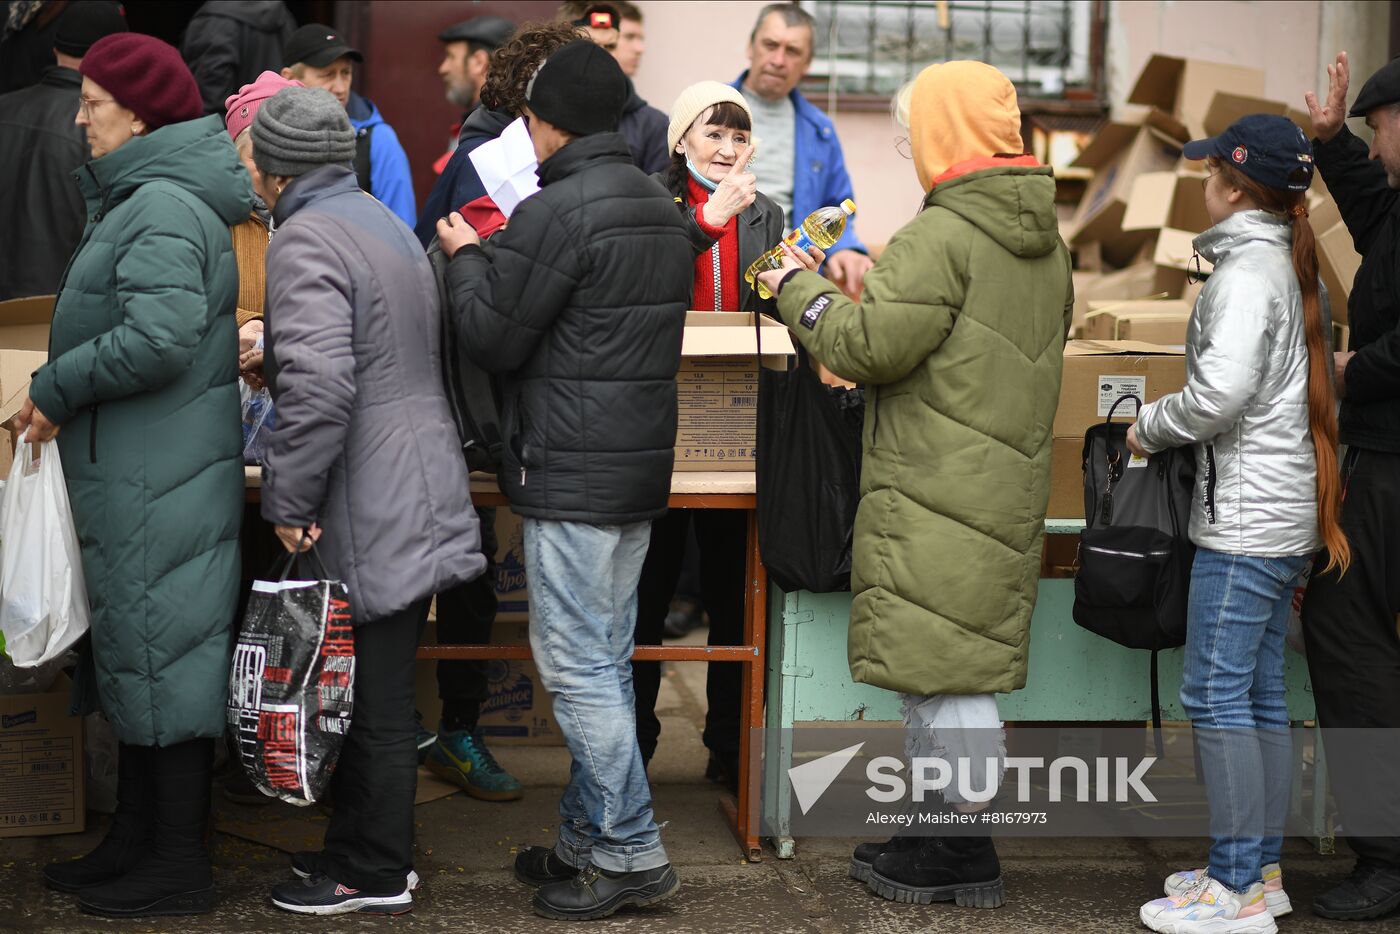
column 580, row 301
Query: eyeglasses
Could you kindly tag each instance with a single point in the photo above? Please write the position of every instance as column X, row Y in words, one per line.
column 85, row 104
column 1193, row 271
column 901, row 146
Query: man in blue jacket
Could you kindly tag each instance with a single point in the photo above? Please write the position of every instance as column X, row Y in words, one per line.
column 799, row 164
column 318, row 57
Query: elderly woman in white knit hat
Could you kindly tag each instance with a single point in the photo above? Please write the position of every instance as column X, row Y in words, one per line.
column 711, row 141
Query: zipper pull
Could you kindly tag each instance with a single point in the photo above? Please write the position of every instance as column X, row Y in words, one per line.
column 522, row 476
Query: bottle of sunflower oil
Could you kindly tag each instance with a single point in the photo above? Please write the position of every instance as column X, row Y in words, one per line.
column 822, row 228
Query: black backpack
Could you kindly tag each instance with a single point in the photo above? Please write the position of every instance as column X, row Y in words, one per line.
column 473, row 395
column 1134, row 565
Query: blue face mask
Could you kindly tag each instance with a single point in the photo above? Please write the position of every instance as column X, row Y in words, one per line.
column 695, row 174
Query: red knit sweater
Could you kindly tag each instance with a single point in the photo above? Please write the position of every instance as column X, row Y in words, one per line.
column 705, row 264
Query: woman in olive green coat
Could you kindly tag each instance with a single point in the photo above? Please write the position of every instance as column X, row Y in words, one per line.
column 141, row 380
column 959, row 339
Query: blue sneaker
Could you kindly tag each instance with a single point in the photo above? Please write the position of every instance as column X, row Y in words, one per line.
column 461, row 757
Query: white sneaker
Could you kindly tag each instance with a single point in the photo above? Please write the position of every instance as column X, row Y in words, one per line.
column 1274, row 896
column 1208, row 907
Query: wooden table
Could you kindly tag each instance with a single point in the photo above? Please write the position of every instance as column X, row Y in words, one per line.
column 689, row 490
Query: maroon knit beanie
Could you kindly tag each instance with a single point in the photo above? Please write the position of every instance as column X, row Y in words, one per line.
column 146, row 76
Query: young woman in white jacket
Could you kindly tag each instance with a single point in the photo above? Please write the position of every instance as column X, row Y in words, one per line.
column 1258, row 409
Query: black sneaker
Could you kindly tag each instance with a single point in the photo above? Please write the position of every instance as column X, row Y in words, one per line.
column 1371, row 891
column 540, row 865
column 597, row 893
column 308, row 863
column 322, row 895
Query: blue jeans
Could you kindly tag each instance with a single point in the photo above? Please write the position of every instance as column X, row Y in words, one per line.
column 1233, row 690
column 582, row 581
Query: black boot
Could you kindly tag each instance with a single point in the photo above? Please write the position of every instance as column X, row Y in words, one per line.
column 941, row 869
column 1371, row 891
column 129, row 837
column 866, row 853
column 175, row 877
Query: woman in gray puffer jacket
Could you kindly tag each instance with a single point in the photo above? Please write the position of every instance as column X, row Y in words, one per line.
column 365, row 457
column 1258, row 409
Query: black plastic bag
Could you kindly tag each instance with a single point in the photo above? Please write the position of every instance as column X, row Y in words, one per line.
column 291, row 684
column 807, row 453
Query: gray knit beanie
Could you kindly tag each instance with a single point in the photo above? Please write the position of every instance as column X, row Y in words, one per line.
column 300, row 129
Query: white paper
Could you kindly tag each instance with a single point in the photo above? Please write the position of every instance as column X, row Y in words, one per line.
column 506, row 166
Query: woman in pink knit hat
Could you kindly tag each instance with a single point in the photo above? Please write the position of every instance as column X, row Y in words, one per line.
column 251, row 237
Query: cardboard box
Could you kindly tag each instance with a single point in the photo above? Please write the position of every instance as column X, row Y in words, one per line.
column 1096, row 373
column 1186, row 87
column 1171, row 198
column 718, row 388
column 41, row 764
column 1119, row 154
column 512, row 599
column 1341, row 337
column 517, row 710
column 1153, row 322
column 24, row 323
column 1226, row 107
column 1337, row 262
column 24, row 344
column 1175, row 262
column 1066, row 479
column 1135, row 282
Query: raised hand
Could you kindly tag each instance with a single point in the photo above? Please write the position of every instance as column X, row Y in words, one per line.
column 736, row 191
column 1327, row 120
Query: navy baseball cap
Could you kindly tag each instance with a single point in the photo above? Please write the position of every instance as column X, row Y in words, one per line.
column 1270, row 149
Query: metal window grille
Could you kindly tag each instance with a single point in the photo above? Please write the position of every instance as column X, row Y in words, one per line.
column 872, row 47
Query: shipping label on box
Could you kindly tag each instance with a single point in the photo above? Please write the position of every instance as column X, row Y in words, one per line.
column 1096, row 372
column 718, row 410
column 41, row 764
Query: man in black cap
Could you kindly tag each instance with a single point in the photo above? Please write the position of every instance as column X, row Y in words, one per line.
column 228, row 43
column 41, row 208
column 1349, row 622
column 318, row 57
column 642, row 124
column 579, row 303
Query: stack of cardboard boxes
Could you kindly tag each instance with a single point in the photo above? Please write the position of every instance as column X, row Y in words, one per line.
column 1136, row 273
column 1131, row 232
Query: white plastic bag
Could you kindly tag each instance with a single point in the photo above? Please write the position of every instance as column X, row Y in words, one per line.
column 43, row 600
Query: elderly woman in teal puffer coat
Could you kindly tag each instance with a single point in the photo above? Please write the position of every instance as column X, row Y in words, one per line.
column 142, row 381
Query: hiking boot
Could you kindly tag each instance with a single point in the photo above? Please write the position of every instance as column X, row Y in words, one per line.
column 598, row 893
column 322, row 895
column 1371, row 891
column 461, row 757
column 129, row 837
column 964, row 870
column 173, row 877
column 540, row 865
column 1274, row 896
column 308, row 863
column 1209, row 907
